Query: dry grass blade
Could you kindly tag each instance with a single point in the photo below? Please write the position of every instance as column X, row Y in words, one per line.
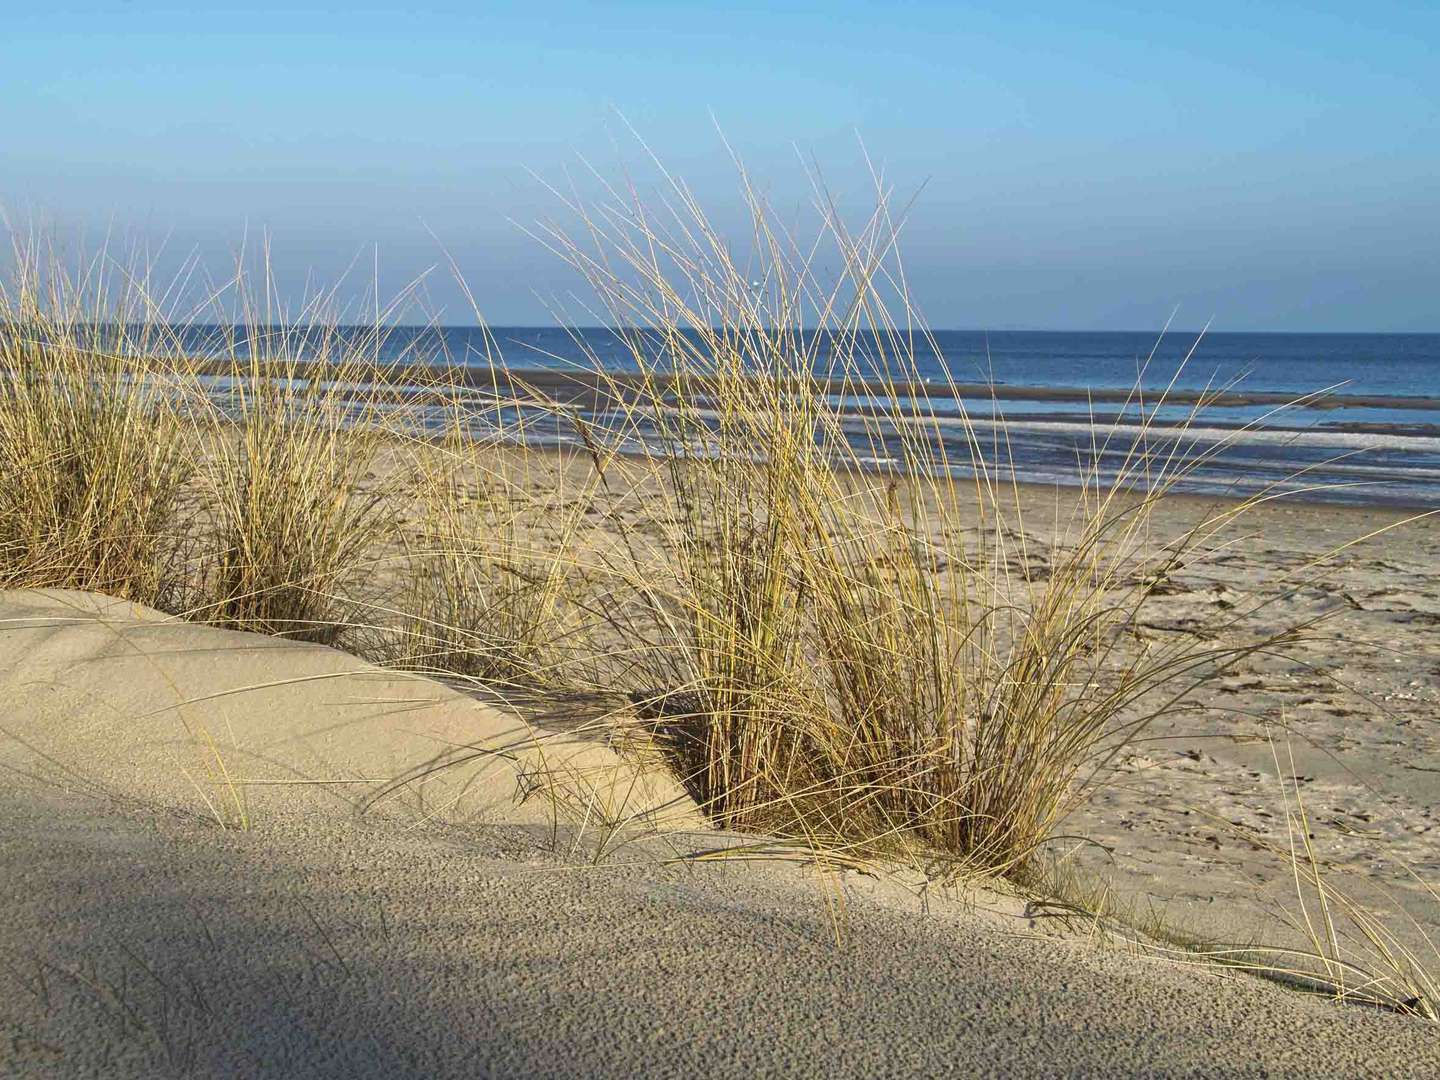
column 486, row 581
column 291, row 456
column 1353, row 952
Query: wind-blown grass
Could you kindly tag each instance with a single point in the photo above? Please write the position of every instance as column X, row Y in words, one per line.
column 482, row 598
column 94, row 456
column 292, row 518
column 863, row 656
column 837, row 622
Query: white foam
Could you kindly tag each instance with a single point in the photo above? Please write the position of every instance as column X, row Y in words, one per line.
column 1350, row 440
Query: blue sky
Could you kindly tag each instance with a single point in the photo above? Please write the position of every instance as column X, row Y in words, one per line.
column 1273, row 166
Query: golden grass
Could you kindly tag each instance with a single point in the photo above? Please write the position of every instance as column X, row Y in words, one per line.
column 483, row 598
column 93, row 458
column 1351, row 950
column 840, row 628
column 292, row 520
column 860, row 656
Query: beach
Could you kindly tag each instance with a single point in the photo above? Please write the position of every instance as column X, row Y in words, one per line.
column 1354, row 706
column 225, row 853
column 713, row 540
column 712, row 707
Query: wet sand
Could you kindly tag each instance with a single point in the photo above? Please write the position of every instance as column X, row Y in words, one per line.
column 583, row 387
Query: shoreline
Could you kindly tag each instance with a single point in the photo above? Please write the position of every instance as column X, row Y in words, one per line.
column 1397, row 508
column 579, row 384
column 1360, row 463
column 1036, row 489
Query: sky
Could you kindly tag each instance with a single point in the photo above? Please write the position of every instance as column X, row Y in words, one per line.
column 1078, row 166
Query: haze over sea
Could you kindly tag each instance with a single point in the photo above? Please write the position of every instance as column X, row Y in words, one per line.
column 1373, row 438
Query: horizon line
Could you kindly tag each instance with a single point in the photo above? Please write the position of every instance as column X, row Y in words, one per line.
column 1157, row 334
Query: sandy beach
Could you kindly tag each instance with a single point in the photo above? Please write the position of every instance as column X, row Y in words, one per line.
column 719, row 540
column 225, row 853
column 1188, row 818
column 1355, row 708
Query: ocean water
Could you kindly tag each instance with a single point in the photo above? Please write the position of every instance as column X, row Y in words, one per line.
column 1375, row 440
column 1360, row 364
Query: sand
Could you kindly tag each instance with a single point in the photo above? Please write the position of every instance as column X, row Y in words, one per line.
column 1185, row 819
column 126, row 703
column 1358, row 708
column 455, row 928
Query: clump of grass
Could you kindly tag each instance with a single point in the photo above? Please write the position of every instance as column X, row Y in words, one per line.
column 290, row 455
column 94, row 450
column 845, row 624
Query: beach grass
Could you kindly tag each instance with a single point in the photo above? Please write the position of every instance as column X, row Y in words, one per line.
column 483, row 597
column 94, row 457
column 836, row 627
column 848, row 638
column 291, row 520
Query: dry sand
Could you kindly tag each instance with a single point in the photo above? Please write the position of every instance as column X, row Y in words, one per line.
column 1358, row 707
column 1186, row 816
column 450, row 930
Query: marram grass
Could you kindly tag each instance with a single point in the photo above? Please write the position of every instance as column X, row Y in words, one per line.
column 838, row 627
column 861, row 656
column 93, row 456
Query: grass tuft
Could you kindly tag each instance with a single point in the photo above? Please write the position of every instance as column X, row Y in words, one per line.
column 94, row 456
column 840, row 617
column 286, row 485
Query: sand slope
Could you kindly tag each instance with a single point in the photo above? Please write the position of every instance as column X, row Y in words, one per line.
column 108, row 696
column 476, row 938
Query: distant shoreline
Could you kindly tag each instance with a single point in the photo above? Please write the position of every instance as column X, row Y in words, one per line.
column 579, row 386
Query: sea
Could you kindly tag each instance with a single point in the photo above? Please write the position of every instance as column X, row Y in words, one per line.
column 1344, row 418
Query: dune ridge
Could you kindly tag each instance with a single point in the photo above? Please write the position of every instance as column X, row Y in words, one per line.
column 474, row 937
column 222, row 724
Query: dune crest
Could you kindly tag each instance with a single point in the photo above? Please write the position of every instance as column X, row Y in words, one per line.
column 125, row 702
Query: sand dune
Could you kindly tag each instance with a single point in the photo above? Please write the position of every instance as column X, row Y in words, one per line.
column 117, row 699
column 452, row 931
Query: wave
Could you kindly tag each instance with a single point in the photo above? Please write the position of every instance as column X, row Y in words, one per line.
column 1356, row 440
